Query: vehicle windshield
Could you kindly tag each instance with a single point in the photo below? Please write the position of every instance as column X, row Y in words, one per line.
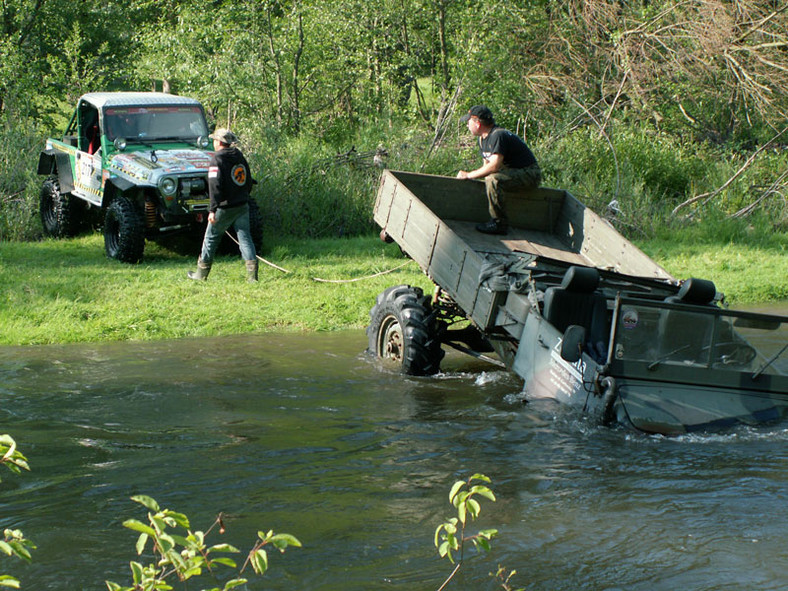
column 150, row 124
column 659, row 334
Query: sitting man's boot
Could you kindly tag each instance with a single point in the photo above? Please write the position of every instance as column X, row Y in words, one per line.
column 251, row 271
column 201, row 274
column 493, row 227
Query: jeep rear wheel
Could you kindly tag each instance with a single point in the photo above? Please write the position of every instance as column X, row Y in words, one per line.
column 58, row 214
column 404, row 330
column 124, row 231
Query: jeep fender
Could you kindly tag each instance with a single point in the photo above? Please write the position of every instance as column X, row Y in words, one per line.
column 116, row 186
column 53, row 162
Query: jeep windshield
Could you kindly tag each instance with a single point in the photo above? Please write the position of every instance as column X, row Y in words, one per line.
column 151, row 124
column 665, row 336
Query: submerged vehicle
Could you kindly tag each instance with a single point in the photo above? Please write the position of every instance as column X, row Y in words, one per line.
column 574, row 309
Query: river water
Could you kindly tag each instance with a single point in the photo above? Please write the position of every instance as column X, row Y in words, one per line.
column 304, row 434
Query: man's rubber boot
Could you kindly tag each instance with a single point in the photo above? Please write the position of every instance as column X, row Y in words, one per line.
column 201, row 274
column 251, row 271
column 498, row 227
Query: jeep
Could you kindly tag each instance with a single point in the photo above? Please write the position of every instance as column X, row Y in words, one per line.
column 141, row 159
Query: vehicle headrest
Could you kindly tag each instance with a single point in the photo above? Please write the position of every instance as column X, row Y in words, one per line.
column 580, row 279
column 697, row 291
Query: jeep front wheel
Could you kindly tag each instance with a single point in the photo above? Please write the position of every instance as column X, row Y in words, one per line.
column 58, row 215
column 404, row 330
column 124, row 231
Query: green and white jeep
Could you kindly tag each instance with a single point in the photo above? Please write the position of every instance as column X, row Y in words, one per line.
column 142, row 159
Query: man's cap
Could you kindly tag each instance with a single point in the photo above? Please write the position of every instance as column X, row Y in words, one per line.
column 224, row 135
column 479, row 111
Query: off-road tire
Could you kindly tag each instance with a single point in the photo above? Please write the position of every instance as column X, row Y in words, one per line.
column 403, row 329
column 59, row 212
column 124, row 231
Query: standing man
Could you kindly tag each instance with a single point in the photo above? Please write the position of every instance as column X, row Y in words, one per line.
column 229, row 185
column 508, row 164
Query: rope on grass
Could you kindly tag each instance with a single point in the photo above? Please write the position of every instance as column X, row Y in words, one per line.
column 269, row 263
column 283, row 270
column 362, row 278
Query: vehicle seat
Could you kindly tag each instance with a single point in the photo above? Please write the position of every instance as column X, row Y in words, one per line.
column 94, row 138
column 575, row 302
column 684, row 334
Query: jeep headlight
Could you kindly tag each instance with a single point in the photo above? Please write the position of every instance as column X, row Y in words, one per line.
column 168, row 186
column 202, row 142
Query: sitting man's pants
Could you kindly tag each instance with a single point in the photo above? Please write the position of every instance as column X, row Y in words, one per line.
column 509, row 179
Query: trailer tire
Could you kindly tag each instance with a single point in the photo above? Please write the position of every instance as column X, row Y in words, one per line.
column 404, row 329
column 124, row 231
column 58, row 215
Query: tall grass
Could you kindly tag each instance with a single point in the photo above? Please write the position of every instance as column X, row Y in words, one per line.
column 19, row 185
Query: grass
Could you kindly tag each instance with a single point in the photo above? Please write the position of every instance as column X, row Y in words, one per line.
column 61, row 291
column 68, row 291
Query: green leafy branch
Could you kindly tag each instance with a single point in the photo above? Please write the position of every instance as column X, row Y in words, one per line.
column 13, row 542
column 504, row 576
column 12, row 458
column 450, row 536
column 186, row 555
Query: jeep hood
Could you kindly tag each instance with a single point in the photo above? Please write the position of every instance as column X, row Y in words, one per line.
column 147, row 167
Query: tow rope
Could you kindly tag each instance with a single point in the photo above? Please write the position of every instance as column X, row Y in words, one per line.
column 283, row 270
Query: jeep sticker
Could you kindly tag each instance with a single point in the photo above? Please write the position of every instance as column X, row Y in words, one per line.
column 565, row 377
column 138, row 165
column 88, row 179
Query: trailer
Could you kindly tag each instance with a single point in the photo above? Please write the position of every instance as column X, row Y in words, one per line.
column 573, row 308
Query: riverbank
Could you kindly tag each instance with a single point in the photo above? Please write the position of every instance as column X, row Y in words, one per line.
column 63, row 291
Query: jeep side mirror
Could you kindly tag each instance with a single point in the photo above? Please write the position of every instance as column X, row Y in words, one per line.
column 572, row 343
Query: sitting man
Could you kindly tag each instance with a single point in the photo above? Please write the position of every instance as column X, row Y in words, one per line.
column 508, row 164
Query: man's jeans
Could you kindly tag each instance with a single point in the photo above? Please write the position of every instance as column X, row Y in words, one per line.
column 509, row 179
column 231, row 217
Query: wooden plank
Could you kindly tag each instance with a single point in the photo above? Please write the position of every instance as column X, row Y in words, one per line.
column 419, row 232
column 606, row 248
column 517, row 241
column 447, row 260
column 448, row 197
column 468, row 286
column 383, row 200
column 398, row 214
column 535, row 209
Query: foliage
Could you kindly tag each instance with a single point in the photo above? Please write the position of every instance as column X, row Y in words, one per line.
column 19, row 184
column 12, row 458
column 183, row 553
column 652, row 106
column 13, row 542
column 450, row 536
column 503, row 575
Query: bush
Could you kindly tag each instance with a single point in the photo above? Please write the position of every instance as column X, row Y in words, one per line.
column 309, row 188
column 19, row 183
column 657, row 166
